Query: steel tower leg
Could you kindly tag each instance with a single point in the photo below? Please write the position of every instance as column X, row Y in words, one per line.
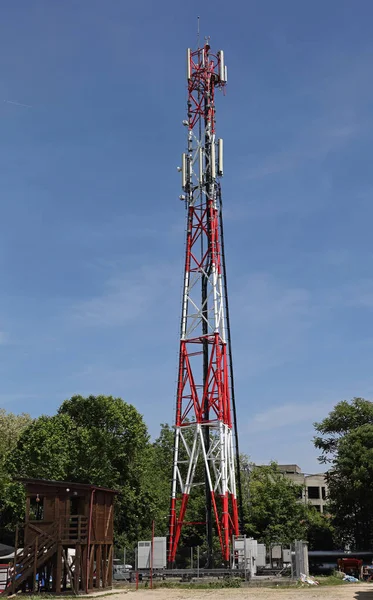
column 233, row 395
column 204, row 427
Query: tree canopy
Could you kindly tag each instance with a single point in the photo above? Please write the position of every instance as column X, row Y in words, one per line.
column 104, row 441
column 100, row 440
column 11, row 427
column 273, row 511
column 345, row 417
column 346, row 443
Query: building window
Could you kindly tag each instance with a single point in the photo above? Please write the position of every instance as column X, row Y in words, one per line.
column 313, row 493
column 318, row 507
column 323, row 493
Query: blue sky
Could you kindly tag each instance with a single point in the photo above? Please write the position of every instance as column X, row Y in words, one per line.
column 91, row 228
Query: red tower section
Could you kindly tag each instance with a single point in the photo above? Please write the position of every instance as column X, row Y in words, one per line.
column 203, row 427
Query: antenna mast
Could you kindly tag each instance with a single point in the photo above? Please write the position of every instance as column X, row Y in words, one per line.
column 205, row 422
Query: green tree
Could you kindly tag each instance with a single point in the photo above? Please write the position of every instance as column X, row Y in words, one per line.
column 11, row 427
column 346, row 443
column 100, row 440
column 345, row 417
column 320, row 531
column 159, row 477
column 273, row 512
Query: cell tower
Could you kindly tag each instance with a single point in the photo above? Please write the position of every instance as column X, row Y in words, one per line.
column 205, row 427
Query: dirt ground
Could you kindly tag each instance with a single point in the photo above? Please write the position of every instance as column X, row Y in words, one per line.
column 345, row 592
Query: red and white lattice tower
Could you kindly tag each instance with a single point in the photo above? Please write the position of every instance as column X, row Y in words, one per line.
column 204, row 416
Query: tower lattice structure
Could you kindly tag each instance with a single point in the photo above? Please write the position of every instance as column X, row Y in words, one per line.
column 205, row 424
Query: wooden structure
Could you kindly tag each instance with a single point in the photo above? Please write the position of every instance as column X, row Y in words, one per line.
column 67, row 538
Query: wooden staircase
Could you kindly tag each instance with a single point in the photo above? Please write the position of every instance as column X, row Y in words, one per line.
column 31, row 559
column 44, row 563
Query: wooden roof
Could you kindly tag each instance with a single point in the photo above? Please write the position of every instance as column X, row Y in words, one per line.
column 65, row 484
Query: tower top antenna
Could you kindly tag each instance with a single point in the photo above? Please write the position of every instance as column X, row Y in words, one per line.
column 197, row 32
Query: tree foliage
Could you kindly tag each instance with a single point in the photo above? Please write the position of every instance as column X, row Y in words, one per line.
column 273, row 511
column 11, row 427
column 344, row 418
column 104, row 441
column 346, row 443
column 100, row 440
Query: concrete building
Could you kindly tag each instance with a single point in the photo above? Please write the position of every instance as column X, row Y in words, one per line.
column 314, row 486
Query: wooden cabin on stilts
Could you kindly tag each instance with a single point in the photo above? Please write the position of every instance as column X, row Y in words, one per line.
column 66, row 542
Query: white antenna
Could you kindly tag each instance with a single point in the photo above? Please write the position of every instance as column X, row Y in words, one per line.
column 197, row 32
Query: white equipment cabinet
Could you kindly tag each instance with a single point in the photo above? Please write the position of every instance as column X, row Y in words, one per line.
column 159, row 554
column 261, row 560
column 246, row 553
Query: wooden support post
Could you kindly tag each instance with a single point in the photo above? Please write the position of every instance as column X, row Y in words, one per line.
column 110, row 567
column 57, row 583
column 91, row 565
column 64, row 571
column 105, row 519
column 98, row 566
column 104, row 566
column 15, row 562
column 54, row 573
column 77, row 567
column 83, row 567
column 35, row 563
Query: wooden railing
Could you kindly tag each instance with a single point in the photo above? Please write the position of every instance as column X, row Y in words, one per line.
column 74, row 527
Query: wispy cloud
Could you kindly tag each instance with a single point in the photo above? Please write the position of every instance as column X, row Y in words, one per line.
column 284, row 431
column 359, row 294
column 356, row 293
column 17, row 103
column 274, row 317
column 130, row 227
column 316, row 142
column 11, row 398
column 277, row 318
column 266, row 300
column 127, row 297
column 286, row 415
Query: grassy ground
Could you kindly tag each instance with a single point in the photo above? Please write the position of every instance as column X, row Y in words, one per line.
column 220, row 584
column 237, row 583
column 331, row 580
